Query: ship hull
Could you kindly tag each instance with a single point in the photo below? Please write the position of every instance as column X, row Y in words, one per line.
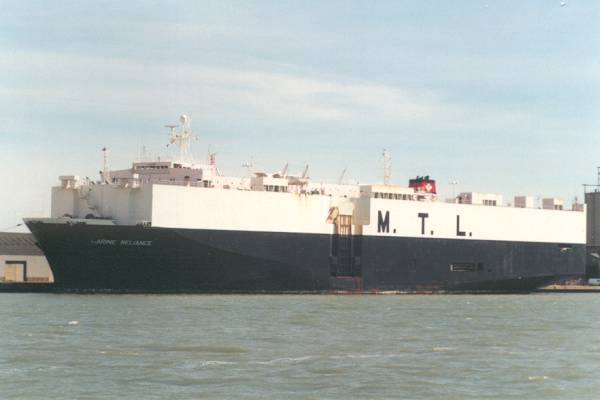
column 90, row 257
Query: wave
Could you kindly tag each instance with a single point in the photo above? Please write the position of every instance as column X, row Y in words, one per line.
column 211, row 363
column 282, row 360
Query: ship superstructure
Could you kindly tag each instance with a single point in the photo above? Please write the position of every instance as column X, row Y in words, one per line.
column 183, row 226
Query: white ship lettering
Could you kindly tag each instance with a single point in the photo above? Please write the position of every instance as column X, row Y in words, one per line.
column 136, row 242
column 124, row 242
column 109, row 242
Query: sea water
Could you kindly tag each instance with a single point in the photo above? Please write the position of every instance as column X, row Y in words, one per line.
column 61, row 346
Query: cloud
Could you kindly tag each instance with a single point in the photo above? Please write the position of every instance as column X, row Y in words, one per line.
column 64, row 81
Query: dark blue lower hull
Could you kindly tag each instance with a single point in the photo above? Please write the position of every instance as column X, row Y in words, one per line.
column 140, row 259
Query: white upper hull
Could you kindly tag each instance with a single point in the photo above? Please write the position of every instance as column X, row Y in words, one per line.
column 175, row 206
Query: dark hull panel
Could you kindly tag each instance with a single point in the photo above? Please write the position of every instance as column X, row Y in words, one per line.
column 142, row 259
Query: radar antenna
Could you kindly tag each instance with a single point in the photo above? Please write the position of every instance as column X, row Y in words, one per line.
column 172, row 134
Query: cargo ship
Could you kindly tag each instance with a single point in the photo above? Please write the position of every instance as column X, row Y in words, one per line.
column 181, row 226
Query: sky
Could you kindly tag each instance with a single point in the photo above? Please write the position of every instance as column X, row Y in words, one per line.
column 500, row 96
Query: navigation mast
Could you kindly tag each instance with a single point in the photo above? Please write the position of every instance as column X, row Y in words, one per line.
column 182, row 138
column 105, row 172
column 387, row 167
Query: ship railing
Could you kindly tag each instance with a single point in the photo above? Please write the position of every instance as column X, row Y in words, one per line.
column 417, row 197
column 132, row 182
column 177, row 183
column 591, row 188
column 202, row 184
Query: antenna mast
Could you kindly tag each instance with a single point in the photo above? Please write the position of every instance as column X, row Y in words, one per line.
column 387, row 167
column 105, row 173
column 342, row 175
column 182, row 138
column 453, row 183
column 249, row 166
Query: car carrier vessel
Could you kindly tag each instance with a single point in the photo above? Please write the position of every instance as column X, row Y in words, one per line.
column 181, row 226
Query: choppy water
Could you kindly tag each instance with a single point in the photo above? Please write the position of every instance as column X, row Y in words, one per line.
column 299, row 347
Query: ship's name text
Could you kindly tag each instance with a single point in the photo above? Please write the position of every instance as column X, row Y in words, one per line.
column 123, row 242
